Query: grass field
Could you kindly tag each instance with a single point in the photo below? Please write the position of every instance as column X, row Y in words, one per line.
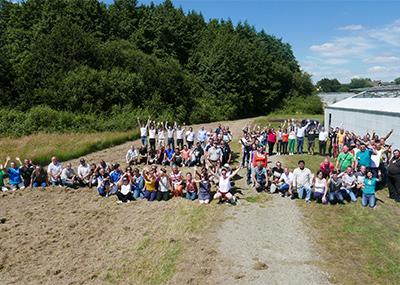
column 41, row 147
column 359, row 245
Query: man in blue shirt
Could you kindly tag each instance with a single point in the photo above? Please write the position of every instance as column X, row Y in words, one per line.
column 14, row 175
column 169, row 156
column 363, row 157
column 115, row 176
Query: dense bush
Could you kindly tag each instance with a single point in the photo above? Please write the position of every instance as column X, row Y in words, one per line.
column 92, row 59
column 302, row 105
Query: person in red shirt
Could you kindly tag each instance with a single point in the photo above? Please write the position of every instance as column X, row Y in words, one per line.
column 260, row 156
column 326, row 167
column 271, row 141
column 285, row 141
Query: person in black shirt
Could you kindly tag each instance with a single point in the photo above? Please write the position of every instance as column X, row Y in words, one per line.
column 311, row 135
column 226, row 153
column 26, row 172
column 394, row 176
column 39, row 177
column 332, row 142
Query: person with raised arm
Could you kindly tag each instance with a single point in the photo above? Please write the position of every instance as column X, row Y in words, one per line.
column 225, row 185
column 14, row 174
column 143, row 130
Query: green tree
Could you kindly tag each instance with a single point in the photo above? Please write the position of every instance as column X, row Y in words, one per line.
column 397, row 81
column 329, row 85
column 360, row 83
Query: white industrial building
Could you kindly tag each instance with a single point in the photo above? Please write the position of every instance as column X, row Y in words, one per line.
column 375, row 109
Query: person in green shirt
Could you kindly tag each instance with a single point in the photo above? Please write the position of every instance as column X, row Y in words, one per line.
column 345, row 159
column 2, row 186
column 369, row 188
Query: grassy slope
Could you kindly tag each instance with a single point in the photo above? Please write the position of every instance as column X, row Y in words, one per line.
column 40, row 147
column 360, row 246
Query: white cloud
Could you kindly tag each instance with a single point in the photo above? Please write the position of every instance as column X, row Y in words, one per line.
column 351, row 28
column 377, row 69
column 343, row 47
column 336, row 61
column 382, row 59
column 389, row 34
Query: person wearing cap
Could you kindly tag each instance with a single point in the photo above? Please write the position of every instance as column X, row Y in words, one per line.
column 84, row 172
column 124, row 193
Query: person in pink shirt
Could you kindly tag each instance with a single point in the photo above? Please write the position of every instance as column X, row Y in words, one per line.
column 271, row 139
column 326, row 167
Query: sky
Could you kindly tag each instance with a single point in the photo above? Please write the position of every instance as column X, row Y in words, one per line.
column 333, row 39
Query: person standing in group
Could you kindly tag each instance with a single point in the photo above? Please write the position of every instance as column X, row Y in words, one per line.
column 271, row 139
column 285, row 140
column 302, row 181
column 345, row 159
column 323, row 138
column 292, row 140
column 179, row 136
column 190, row 137
column 326, row 167
column 152, row 136
column 311, row 135
column 143, row 130
column 332, row 151
column 279, row 141
column 170, row 134
column 300, row 137
column 363, row 157
column 394, row 176
column 160, row 134
column 202, row 136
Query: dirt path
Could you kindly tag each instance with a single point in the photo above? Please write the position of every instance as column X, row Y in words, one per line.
column 266, row 244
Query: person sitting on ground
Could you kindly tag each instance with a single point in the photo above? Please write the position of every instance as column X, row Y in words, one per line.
column 285, row 182
column 84, row 173
column 137, row 184
column 132, row 156
column 169, row 156
column 320, row 188
column 224, row 186
column 204, row 186
column 68, row 177
column 143, row 154
column 103, row 183
column 104, row 165
column 163, row 182
column 185, row 154
column 326, row 167
column 39, row 178
column 2, row 184
column 124, row 193
column 150, row 179
column 115, row 176
column 360, row 177
column 26, row 172
column 94, row 172
column 335, row 189
column 349, row 183
column 176, row 182
column 276, row 174
column 14, row 175
column 302, row 181
column 260, row 177
column 152, row 157
column 160, row 155
column 191, row 187
column 54, row 170
column 196, row 155
column 369, row 188
column 178, row 157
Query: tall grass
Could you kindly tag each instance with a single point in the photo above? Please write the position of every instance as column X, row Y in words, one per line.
column 42, row 146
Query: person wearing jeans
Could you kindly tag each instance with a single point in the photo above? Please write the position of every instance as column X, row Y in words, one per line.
column 349, row 183
column 335, row 186
column 302, row 181
column 369, row 188
column 137, row 185
column 300, row 137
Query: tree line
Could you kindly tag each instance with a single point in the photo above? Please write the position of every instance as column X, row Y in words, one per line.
column 86, row 57
column 334, row 85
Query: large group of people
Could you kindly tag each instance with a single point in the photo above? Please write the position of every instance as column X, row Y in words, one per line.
column 353, row 165
column 198, row 166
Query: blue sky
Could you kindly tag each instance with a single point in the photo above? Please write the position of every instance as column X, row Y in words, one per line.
column 334, row 39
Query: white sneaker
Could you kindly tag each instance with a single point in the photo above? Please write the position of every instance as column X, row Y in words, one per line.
column 119, row 202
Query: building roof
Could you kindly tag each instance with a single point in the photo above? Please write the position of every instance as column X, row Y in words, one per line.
column 377, row 100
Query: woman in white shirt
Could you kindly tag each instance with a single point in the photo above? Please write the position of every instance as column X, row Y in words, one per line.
column 160, row 133
column 292, row 140
column 224, row 186
column 320, row 188
column 163, row 184
column 152, row 137
column 190, row 137
column 124, row 193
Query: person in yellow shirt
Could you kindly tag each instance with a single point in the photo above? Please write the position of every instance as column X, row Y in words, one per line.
column 340, row 139
column 150, row 192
